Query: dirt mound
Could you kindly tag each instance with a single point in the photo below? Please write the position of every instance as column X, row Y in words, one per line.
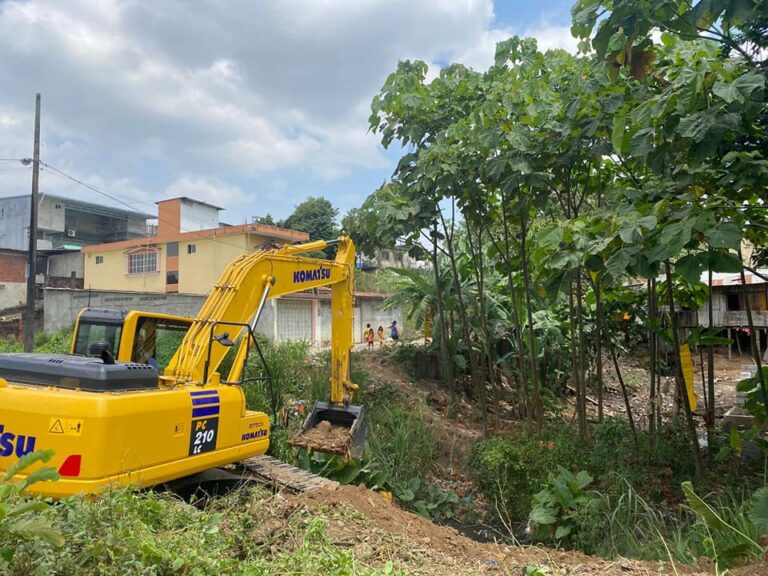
column 375, row 528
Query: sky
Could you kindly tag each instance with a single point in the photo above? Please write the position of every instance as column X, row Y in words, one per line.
column 250, row 105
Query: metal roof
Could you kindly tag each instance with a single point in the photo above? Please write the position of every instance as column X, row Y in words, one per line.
column 86, row 206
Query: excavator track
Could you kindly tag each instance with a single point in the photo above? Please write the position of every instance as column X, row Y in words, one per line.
column 283, row 476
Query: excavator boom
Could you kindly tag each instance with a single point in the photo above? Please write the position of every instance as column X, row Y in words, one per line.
column 256, row 278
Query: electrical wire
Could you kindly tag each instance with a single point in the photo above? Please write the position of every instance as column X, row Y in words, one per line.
column 58, row 172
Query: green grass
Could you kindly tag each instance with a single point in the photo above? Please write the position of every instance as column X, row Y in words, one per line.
column 136, row 534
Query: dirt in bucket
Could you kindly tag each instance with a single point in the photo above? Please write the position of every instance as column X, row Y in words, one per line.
column 325, row 437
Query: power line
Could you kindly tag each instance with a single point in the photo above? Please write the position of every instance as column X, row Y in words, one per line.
column 86, row 185
column 58, row 172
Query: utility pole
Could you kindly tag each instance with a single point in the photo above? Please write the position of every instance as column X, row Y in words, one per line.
column 29, row 317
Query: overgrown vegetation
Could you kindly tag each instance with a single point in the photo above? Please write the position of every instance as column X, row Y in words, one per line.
column 126, row 533
column 45, row 342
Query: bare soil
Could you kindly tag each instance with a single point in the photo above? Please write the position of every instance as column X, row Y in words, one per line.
column 378, row 531
column 325, row 437
column 422, row 547
column 728, row 373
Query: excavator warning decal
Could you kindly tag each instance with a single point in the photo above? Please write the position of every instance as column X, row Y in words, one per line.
column 68, row 426
column 205, row 421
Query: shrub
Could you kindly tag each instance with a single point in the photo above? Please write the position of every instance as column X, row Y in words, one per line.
column 53, row 342
column 22, row 522
column 288, row 366
column 510, row 469
column 558, row 509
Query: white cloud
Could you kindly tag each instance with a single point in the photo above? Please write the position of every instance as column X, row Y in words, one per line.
column 554, row 37
column 206, row 190
column 548, row 37
column 212, row 95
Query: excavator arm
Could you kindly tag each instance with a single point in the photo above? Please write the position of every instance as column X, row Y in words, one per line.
column 239, row 296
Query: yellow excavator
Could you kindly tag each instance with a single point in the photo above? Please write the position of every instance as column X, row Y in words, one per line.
column 112, row 418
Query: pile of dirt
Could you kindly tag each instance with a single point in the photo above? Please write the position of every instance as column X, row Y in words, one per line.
column 377, row 532
column 325, row 437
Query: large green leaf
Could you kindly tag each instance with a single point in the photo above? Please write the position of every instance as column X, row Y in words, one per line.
column 583, row 479
column 689, row 267
column 617, row 134
column 724, row 262
column 26, row 461
column 725, row 235
column 617, row 264
column 542, row 516
column 728, row 92
column 703, row 510
column 36, row 527
column 758, row 512
column 45, row 474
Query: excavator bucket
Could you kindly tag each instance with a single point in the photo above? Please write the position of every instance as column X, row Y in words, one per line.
column 333, row 429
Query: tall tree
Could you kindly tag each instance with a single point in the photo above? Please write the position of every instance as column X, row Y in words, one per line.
column 317, row 217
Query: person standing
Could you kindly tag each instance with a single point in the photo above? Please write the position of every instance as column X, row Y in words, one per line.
column 394, row 333
column 369, row 337
column 380, row 334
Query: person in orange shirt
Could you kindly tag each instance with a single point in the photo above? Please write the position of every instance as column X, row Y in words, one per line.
column 369, row 337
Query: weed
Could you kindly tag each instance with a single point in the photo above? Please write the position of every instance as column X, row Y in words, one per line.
column 22, row 521
column 557, row 510
column 510, row 469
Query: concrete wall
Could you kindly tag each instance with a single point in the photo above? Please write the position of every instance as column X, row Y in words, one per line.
column 112, row 272
column 198, row 272
column 13, row 281
column 50, row 215
column 14, row 223
column 62, row 265
column 371, row 313
column 196, row 216
column 62, row 306
column 12, row 294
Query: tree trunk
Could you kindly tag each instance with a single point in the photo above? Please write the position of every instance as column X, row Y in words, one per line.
column 462, row 308
column 627, row 405
column 752, row 338
column 488, row 359
column 599, row 351
column 524, row 401
column 446, row 358
column 710, row 374
column 580, row 399
column 681, row 389
column 581, row 370
column 533, row 357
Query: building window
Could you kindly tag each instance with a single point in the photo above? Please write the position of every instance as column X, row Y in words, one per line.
column 172, row 277
column 142, row 263
column 173, row 249
column 191, row 248
column 99, row 259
